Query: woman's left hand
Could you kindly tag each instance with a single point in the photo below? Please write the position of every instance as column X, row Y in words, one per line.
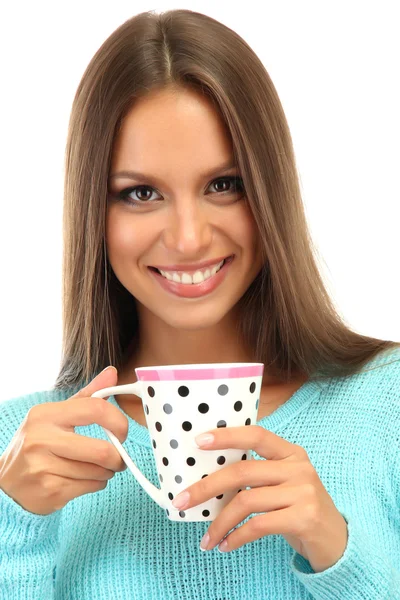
column 285, row 488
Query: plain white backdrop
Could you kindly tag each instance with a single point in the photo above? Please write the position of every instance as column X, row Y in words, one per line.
column 336, row 69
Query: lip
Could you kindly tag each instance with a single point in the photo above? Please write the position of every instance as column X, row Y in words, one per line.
column 192, row 267
column 194, row 290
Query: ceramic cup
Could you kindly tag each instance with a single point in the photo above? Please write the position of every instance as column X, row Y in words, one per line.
column 180, row 402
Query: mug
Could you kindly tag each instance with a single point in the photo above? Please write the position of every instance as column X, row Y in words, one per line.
column 180, row 402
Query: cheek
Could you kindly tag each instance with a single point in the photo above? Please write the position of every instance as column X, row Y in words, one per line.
column 123, row 237
column 244, row 230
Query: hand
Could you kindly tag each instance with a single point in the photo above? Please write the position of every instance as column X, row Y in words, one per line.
column 46, row 464
column 285, row 488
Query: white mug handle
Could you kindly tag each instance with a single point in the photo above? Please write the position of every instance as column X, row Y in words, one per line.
column 131, row 388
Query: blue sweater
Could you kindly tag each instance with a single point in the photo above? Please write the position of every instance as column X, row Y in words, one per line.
column 118, row 544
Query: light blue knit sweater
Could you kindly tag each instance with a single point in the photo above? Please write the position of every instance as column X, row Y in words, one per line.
column 118, row 544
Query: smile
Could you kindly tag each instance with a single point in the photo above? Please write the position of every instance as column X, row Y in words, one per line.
column 197, row 277
column 199, row 283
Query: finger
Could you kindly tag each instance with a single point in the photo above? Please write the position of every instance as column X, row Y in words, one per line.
column 76, row 412
column 68, row 489
column 252, row 473
column 73, row 469
column 107, row 378
column 90, row 450
column 257, row 500
column 254, row 437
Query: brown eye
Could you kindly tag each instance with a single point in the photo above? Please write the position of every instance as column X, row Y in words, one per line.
column 228, row 185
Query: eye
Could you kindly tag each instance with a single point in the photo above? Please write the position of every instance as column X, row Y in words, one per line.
column 140, row 195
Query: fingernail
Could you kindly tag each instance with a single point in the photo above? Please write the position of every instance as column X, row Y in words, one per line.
column 223, row 547
column 204, row 438
column 204, row 541
column 181, row 500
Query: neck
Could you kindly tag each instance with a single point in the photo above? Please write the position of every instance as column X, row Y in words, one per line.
column 161, row 344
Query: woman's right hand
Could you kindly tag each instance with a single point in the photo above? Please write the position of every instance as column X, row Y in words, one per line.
column 47, row 464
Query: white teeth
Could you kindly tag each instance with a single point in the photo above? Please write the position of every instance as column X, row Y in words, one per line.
column 197, row 277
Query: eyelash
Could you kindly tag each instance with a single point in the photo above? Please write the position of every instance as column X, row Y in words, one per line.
column 123, row 194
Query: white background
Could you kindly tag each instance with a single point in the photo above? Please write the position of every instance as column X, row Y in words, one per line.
column 336, row 68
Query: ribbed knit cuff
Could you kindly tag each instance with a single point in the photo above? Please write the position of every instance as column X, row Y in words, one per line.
column 362, row 572
column 20, row 528
column 28, row 551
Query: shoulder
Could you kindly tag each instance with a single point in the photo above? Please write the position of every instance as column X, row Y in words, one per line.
column 378, row 379
column 14, row 410
column 370, row 399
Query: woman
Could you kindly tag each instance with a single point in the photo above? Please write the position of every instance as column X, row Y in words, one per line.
column 186, row 242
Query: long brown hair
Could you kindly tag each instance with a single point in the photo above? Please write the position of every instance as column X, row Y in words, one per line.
column 288, row 317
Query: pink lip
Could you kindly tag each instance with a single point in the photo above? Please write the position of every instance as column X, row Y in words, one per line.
column 194, row 290
column 190, row 267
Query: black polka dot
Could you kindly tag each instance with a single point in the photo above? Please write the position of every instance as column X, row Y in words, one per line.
column 244, row 457
column 178, row 479
column 167, row 409
column 221, row 423
column 158, row 426
column 186, row 426
column 206, row 513
column 238, row 406
column 219, row 497
column 161, row 477
column 167, row 511
column 154, row 444
column 206, row 475
column 203, row 408
column 248, row 422
column 183, row 391
column 191, row 461
column 223, row 390
column 182, row 513
column 173, row 444
column 146, row 408
column 252, row 387
column 165, row 461
column 151, row 391
column 170, row 496
column 221, row 460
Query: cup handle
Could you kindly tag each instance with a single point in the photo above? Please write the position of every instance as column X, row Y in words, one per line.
column 131, row 388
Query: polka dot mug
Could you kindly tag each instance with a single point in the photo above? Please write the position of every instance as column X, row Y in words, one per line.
column 180, row 402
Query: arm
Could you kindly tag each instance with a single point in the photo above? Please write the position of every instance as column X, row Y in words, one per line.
column 28, row 542
column 28, row 546
column 363, row 572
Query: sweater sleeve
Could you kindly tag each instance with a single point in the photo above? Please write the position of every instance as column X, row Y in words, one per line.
column 28, row 542
column 362, row 572
column 28, row 548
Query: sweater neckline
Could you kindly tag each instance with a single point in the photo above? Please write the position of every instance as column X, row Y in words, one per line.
column 138, row 433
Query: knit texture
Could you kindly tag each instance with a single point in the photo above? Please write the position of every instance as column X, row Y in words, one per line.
column 118, row 544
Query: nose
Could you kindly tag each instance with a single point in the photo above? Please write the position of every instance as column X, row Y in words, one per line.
column 188, row 231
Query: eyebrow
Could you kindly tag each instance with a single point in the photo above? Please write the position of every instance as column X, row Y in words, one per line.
column 136, row 175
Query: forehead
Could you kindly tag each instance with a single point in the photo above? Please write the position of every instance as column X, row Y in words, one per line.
column 177, row 125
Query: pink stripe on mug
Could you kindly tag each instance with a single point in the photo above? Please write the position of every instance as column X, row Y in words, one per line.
column 178, row 374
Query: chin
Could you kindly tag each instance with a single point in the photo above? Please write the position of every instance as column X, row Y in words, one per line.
column 192, row 320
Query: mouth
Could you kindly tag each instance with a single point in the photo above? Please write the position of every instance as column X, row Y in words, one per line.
column 195, row 284
column 194, row 278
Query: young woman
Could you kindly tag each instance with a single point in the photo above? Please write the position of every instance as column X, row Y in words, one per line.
column 186, row 242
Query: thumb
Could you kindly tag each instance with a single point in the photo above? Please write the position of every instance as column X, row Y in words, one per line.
column 106, row 378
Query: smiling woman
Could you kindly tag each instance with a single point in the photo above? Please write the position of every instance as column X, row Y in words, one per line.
column 185, row 242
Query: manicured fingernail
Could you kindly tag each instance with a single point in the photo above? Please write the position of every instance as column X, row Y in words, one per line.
column 181, row 500
column 204, row 438
column 223, row 547
column 204, row 541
